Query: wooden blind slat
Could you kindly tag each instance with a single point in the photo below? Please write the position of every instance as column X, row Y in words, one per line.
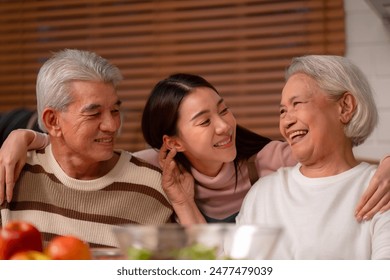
column 207, row 46
column 143, row 21
column 142, row 36
column 174, row 10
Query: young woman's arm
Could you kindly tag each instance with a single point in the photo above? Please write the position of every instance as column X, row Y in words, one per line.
column 13, row 154
column 377, row 196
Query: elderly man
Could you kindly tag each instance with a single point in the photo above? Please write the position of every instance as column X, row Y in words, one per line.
column 78, row 184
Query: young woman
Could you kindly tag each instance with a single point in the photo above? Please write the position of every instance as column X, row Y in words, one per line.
column 210, row 156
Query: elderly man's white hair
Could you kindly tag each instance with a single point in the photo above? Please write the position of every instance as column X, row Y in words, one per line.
column 68, row 65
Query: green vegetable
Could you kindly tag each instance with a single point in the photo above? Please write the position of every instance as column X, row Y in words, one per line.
column 139, row 254
column 197, row 252
column 193, row 252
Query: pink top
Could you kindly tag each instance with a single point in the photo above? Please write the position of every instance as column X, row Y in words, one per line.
column 218, row 197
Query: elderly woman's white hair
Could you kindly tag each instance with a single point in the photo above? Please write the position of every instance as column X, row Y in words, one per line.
column 54, row 77
column 337, row 75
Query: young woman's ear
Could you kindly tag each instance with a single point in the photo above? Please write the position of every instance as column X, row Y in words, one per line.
column 51, row 122
column 347, row 107
column 173, row 142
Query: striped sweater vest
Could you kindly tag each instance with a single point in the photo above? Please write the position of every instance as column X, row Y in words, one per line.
column 57, row 204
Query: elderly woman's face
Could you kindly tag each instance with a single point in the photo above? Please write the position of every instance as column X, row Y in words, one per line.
column 310, row 120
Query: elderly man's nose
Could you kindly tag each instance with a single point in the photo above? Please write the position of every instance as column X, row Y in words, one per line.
column 110, row 123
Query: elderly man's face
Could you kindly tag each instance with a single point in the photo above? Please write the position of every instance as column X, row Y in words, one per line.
column 91, row 122
column 310, row 120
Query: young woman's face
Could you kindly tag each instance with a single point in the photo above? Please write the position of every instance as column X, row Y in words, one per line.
column 206, row 131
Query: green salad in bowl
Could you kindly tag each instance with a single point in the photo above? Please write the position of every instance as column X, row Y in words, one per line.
column 191, row 252
column 197, row 242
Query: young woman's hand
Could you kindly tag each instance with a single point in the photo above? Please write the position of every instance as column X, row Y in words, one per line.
column 13, row 155
column 377, row 196
column 179, row 186
column 177, row 183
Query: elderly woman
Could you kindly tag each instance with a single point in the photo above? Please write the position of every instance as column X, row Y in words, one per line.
column 326, row 109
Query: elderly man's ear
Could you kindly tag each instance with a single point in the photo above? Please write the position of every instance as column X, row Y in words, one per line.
column 51, row 121
column 347, row 105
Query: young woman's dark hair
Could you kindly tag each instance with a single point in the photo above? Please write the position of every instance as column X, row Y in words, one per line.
column 161, row 111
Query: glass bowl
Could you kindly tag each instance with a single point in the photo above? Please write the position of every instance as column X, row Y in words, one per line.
column 197, row 242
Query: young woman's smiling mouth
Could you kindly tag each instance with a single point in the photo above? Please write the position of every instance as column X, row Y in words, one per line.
column 224, row 143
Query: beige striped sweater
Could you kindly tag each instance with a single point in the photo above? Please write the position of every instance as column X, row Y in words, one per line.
column 60, row 205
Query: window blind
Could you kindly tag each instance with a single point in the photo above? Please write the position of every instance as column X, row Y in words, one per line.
column 240, row 46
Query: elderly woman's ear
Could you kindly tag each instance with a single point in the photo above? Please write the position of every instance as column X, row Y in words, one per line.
column 347, row 105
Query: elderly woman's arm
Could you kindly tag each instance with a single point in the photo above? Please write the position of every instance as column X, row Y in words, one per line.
column 13, row 154
column 377, row 196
